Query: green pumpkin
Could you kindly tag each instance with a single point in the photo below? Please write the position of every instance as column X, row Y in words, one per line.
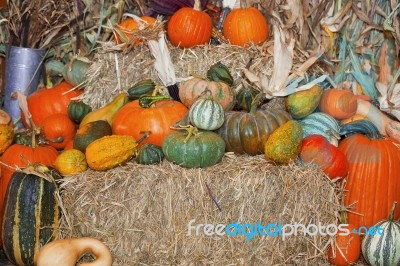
column 149, row 154
column 144, row 87
column 75, row 71
column 207, row 114
column 193, row 149
column 219, row 72
column 78, row 110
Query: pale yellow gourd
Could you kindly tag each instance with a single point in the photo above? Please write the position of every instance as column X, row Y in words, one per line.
column 106, row 112
column 66, row 252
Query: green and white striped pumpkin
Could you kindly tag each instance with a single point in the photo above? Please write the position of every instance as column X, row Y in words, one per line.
column 207, row 114
column 321, row 124
column 31, row 216
column 383, row 249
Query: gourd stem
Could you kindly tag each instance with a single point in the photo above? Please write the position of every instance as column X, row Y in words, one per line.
column 391, row 215
column 191, row 130
column 197, row 5
column 256, row 102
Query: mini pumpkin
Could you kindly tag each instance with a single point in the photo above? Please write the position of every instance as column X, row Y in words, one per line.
column 71, row 162
column 127, row 27
column 206, row 114
column 340, row 104
column 58, row 130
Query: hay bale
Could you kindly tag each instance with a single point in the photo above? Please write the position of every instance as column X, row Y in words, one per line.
column 113, row 70
column 142, row 212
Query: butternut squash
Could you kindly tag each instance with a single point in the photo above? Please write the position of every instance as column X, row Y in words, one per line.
column 106, row 112
column 66, row 252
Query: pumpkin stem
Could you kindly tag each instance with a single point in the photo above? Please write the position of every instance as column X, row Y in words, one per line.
column 191, row 130
column 147, row 101
column 256, row 102
column 146, row 134
column 391, row 214
column 197, row 5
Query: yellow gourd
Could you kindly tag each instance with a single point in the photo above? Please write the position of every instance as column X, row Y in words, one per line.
column 71, row 162
column 106, row 112
column 110, row 151
column 6, row 131
column 66, row 252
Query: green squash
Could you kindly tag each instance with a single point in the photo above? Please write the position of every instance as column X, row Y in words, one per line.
column 207, row 114
column 284, row 144
column 149, row 154
column 31, row 214
column 301, row 104
column 144, row 87
column 78, row 110
column 193, row 149
column 75, row 71
column 90, row 132
column 245, row 98
column 219, row 72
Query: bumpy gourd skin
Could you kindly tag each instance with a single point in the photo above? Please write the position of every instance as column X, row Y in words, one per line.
column 6, row 137
column 110, row 151
column 284, row 144
column 201, row 150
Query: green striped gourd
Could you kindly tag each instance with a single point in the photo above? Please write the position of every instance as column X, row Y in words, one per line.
column 31, row 215
column 143, row 87
column 383, row 249
column 219, row 72
column 149, row 154
column 206, row 114
column 321, row 124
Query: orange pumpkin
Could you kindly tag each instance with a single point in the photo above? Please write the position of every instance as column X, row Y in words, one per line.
column 340, row 104
column 347, row 248
column 189, row 27
column 49, row 101
column 59, row 130
column 128, row 26
column 245, row 25
column 193, row 89
column 133, row 120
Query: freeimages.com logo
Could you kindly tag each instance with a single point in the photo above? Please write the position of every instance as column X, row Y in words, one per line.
column 249, row 231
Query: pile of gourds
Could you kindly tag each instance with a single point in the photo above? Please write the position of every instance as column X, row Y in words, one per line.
column 333, row 129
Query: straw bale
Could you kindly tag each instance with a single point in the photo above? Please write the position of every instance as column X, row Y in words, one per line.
column 142, row 212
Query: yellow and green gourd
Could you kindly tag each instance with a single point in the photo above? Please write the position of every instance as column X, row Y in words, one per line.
column 301, row 104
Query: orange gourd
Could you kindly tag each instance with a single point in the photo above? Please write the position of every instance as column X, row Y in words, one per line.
column 340, row 104
column 128, row 26
column 189, row 27
column 59, row 130
column 243, row 26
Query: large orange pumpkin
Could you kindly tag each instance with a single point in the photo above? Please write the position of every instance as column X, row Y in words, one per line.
column 193, row 89
column 59, row 130
column 340, row 104
column 133, row 120
column 49, row 101
column 21, row 155
column 128, row 26
column 373, row 183
column 189, row 27
column 245, row 25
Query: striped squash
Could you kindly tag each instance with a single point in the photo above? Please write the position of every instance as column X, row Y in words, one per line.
column 31, row 216
column 207, row 114
column 321, row 124
column 383, row 249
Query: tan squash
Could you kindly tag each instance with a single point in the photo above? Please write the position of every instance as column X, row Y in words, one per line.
column 66, row 252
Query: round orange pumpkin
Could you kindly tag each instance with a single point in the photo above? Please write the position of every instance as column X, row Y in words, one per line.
column 189, row 27
column 59, row 130
column 245, row 25
column 347, row 248
column 340, row 104
column 133, row 120
column 128, row 26
column 49, row 101
column 193, row 89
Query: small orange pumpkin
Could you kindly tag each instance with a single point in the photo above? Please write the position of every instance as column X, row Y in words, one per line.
column 128, row 26
column 59, row 130
column 340, row 104
column 245, row 25
column 189, row 27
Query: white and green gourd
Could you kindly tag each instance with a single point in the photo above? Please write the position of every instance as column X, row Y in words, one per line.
column 383, row 249
column 321, row 124
column 207, row 114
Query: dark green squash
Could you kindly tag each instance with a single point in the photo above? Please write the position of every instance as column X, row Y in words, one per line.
column 31, row 215
column 90, row 132
column 245, row 98
column 78, row 110
column 219, row 72
column 144, row 87
column 149, row 154
column 192, row 149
